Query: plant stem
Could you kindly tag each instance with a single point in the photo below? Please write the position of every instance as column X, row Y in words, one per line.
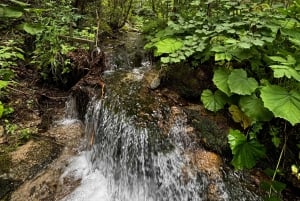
column 279, row 159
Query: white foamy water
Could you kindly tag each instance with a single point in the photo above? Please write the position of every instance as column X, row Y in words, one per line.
column 93, row 186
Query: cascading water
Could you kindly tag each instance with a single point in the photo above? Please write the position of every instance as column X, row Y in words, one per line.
column 123, row 164
column 126, row 160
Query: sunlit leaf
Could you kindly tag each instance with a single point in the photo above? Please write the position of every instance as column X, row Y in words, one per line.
column 3, row 84
column 240, row 84
column 31, row 28
column 290, row 60
column 239, row 117
column 213, row 101
column 168, row 45
column 254, row 108
column 284, row 104
column 287, row 71
column 244, row 45
column 278, row 59
column 19, row 3
column 245, row 152
column 165, row 59
column 223, row 56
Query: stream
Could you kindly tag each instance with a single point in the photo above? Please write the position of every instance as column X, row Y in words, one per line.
column 129, row 158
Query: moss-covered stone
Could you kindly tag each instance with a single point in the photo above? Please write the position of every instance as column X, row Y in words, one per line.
column 5, row 163
column 211, row 129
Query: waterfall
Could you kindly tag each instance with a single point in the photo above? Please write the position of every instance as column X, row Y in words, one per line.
column 126, row 160
column 121, row 164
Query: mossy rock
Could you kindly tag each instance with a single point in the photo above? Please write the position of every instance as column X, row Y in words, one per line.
column 5, row 163
column 211, row 129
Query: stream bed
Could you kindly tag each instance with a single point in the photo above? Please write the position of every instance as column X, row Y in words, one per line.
column 140, row 147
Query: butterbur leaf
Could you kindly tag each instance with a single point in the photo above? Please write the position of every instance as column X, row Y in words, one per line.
column 245, row 153
column 239, row 83
column 239, row 117
column 213, row 101
column 254, row 108
column 168, row 45
column 220, row 80
column 284, row 104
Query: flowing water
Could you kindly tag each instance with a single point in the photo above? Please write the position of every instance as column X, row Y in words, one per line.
column 123, row 164
column 127, row 161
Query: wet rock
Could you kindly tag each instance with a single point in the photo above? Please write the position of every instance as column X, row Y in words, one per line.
column 210, row 129
column 31, row 158
column 46, row 185
column 209, row 165
column 206, row 162
column 154, row 84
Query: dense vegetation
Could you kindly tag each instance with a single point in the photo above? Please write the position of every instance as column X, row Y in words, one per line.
column 252, row 48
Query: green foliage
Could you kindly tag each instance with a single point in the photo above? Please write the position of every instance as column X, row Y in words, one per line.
column 253, row 50
column 285, row 67
column 254, row 108
column 213, row 101
column 167, row 45
column 239, row 116
column 245, row 152
column 220, row 79
column 239, row 83
column 50, row 51
column 9, row 55
column 283, row 103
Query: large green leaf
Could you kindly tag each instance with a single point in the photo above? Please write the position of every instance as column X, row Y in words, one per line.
column 245, row 152
column 168, row 45
column 284, row 70
column 32, row 29
column 10, row 12
column 254, row 108
column 220, row 80
column 239, row 83
column 213, row 101
column 284, row 104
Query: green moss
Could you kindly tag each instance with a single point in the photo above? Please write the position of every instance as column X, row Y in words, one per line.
column 5, row 163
